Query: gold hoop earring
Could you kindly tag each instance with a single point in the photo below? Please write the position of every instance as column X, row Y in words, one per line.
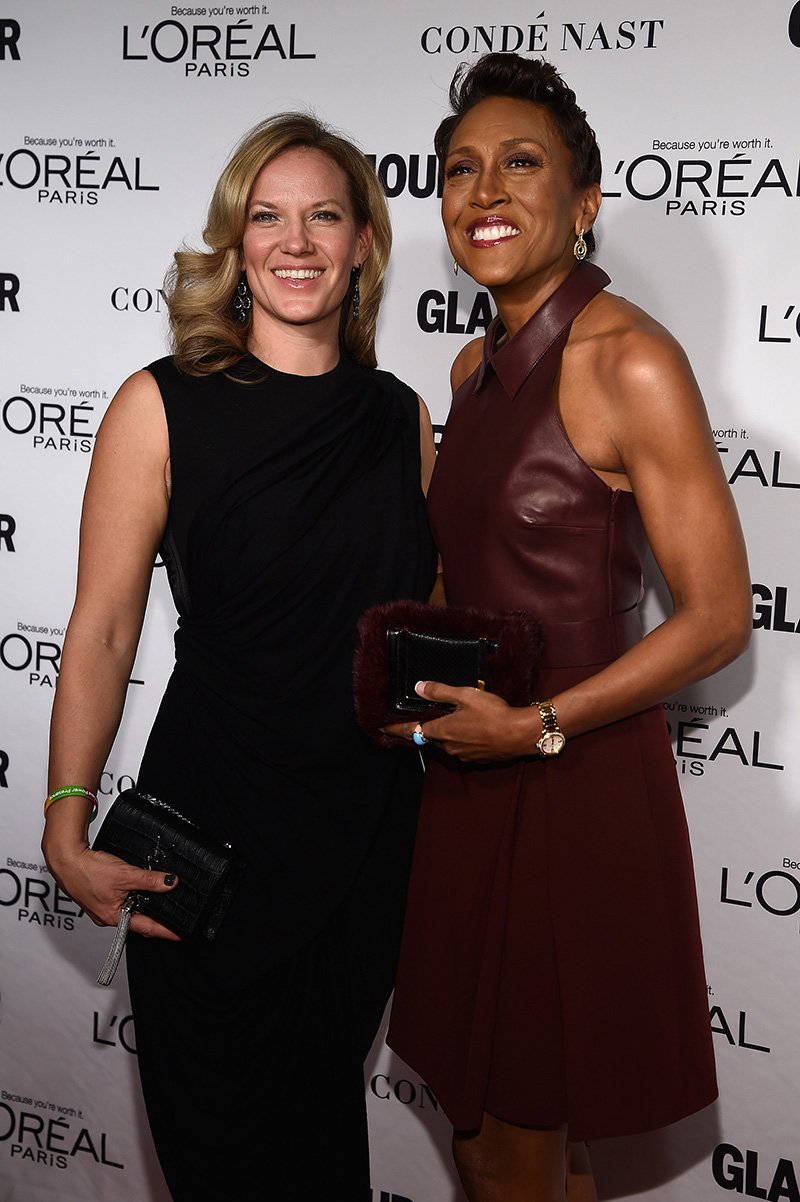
column 580, row 249
column 455, row 267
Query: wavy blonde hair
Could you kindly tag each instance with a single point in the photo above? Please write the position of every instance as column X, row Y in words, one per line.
column 206, row 334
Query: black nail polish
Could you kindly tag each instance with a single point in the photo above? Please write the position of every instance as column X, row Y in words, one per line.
column 169, row 879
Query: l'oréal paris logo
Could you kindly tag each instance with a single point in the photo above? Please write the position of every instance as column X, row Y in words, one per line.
column 706, row 186
column 210, row 51
column 80, row 172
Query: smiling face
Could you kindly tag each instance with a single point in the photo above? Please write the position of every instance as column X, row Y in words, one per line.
column 300, row 244
column 510, row 207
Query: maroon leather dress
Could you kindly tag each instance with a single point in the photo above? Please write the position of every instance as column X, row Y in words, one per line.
column 552, row 968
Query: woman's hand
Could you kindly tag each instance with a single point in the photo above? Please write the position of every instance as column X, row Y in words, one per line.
column 99, row 883
column 481, row 728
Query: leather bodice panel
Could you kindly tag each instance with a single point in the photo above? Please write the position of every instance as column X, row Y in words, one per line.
column 520, row 519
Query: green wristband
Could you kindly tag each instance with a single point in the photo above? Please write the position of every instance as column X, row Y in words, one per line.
column 72, row 791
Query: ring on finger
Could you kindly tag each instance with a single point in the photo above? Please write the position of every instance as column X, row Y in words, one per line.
column 418, row 735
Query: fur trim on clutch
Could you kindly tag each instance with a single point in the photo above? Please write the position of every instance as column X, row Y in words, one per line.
column 512, row 665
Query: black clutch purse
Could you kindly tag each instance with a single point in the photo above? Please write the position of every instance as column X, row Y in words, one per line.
column 146, row 832
column 407, row 641
column 412, row 655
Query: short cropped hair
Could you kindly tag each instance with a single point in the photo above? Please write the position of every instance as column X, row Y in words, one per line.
column 507, row 74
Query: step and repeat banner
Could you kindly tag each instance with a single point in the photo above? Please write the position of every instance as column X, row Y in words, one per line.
column 115, row 120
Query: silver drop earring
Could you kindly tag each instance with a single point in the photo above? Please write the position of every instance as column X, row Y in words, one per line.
column 356, row 291
column 580, row 249
column 242, row 301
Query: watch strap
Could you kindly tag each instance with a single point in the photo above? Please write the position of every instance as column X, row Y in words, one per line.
column 552, row 739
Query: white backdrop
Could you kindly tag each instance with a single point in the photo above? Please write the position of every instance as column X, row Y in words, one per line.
column 115, row 120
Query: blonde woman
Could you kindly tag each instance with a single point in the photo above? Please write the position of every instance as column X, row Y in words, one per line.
column 282, row 476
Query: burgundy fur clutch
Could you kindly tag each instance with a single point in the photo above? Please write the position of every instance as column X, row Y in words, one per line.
column 513, row 644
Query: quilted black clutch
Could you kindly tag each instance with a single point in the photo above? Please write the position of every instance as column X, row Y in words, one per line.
column 403, row 642
column 148, row 833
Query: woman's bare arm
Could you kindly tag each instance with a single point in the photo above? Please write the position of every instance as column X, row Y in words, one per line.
column 124, row 514
column 666, row 451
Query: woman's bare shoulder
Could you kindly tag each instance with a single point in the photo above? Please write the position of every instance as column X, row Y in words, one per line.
column 133, row 439
column 138, row 394
column 136, row 411
column 610, row 316
column 626, row 345
column 465, row 363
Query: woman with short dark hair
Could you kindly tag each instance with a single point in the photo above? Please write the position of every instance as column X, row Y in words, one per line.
column 551, row 987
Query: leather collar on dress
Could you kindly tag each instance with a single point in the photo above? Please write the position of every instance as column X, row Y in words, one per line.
column 513, row 362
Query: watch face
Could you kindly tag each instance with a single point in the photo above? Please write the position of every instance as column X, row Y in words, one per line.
column 552, row 742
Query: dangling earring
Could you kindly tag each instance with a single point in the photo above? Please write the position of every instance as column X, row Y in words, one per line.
column 242, row 301
column 356, row 275
column 580, row 249
column 455, row 267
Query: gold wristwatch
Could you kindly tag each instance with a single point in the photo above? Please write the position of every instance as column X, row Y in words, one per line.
column 553, row 739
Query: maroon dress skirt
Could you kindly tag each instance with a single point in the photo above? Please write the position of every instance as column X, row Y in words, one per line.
column 551, row 969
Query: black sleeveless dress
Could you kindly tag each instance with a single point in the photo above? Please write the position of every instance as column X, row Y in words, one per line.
column 296, row 504
column 552, row 969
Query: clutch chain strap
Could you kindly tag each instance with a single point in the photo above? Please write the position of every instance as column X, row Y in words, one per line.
column 108, row 971
column 175, row 813
column 106, row 975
